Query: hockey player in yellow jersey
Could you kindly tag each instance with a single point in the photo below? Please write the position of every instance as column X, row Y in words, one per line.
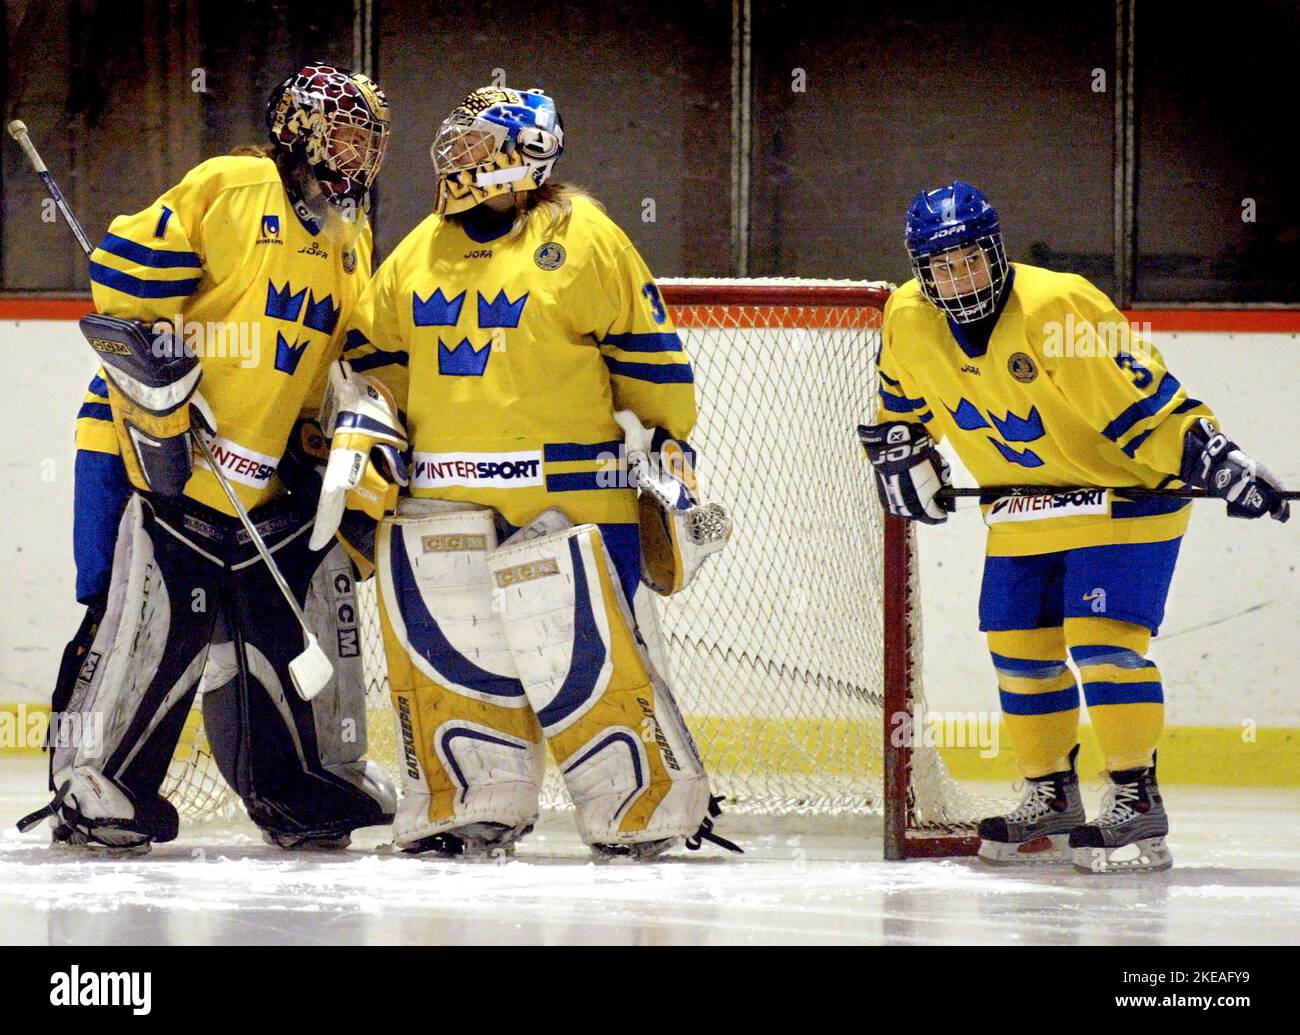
column 241, row 278
column 512, row 325
column 1035, row 378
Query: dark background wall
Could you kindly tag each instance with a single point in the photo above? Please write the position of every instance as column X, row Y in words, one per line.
column 852, row 109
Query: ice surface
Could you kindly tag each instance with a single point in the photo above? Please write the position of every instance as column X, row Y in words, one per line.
column 1236, row 880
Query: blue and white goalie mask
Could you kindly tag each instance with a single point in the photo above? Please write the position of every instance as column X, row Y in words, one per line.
column 495, row 142
column 955, row 245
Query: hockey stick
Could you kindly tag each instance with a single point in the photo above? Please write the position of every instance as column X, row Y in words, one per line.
column 311, row 670
column 1137, row 492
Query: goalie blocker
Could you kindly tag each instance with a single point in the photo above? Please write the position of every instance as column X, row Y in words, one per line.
column 152, row 382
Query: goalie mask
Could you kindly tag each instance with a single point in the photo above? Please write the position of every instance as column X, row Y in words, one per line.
column 955, row 245
column 495, row 142
column 337, row 122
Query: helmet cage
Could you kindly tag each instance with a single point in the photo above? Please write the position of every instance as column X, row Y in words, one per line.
column 338, row 121
column 952, row 289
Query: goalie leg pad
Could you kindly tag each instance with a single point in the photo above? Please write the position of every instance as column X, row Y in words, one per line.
column 472, row 750
column 625, row 753
column 120, row 723
column 298, row 765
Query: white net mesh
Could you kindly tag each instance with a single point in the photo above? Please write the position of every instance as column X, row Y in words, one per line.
column 777, row 649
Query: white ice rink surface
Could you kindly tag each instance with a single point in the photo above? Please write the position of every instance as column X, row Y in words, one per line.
column 1236, row 880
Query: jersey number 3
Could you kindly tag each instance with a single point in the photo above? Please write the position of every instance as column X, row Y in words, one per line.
column 651, row 291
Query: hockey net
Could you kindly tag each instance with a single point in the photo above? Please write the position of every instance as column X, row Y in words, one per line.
column 795, row 654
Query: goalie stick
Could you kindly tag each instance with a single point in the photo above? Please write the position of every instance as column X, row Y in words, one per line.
column 311, row 670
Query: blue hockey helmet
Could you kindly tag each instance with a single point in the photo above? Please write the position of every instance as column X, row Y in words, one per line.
column 956, row 218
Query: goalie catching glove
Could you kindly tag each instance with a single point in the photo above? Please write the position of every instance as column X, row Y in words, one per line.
column 910, row 471
column 367, row 441
column 1214, row 462
column 152, row 388
column 677, row 531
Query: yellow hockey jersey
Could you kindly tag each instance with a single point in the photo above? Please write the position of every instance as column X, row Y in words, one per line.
column 510, row 356
column 1065, row 394
column 256, row 290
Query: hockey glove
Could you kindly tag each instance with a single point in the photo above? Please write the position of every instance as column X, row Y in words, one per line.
column 152, row 392
column 910, row 471
column 1213, row 462
column 677, row 531
column 361, row 414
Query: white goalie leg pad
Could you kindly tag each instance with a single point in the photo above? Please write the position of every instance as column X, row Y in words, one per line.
column 627, row 759
column 122, row 661
column 472, row 750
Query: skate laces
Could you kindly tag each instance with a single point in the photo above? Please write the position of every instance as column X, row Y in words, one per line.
column 1119, row 803
column 1039, row 796
column 705, row 833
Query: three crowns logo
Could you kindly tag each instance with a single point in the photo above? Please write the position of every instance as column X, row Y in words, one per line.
column 437, row 310
column 317, row 315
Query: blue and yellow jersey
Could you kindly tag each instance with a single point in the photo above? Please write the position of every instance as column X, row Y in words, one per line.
column 260, row 294
column 510, row 356
column 1064, row 394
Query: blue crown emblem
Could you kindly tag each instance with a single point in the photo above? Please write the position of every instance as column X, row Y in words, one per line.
column 437, row 310
column 321, row 316
column 500, row 312
column 282, row 305
column 270, row 226
column 1026, row 459
column 463, row 360
column 1020, row 429
column 968, row 416
column 287, row 355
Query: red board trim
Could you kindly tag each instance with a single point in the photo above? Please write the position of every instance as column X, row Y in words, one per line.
column 1205, row 321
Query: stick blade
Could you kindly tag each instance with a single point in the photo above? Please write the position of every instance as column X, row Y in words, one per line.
column 311, row 670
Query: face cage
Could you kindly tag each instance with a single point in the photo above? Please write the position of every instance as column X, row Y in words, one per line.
column 967, row 307
column 460, row 146
column 353, row 146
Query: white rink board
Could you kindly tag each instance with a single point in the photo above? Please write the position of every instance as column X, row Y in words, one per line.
column 1228, row 651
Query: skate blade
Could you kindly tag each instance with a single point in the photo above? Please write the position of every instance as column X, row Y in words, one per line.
column 1152, row 856
column 95, row 850
column 633, row 851
column 1047, row 850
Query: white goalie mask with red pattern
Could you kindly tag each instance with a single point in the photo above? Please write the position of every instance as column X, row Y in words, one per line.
column 337, row 120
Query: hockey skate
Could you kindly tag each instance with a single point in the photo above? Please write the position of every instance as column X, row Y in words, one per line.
column 1132, row 813
column 645, row 851
column 474, row 841
column 92, row 813
column 1038, row 829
